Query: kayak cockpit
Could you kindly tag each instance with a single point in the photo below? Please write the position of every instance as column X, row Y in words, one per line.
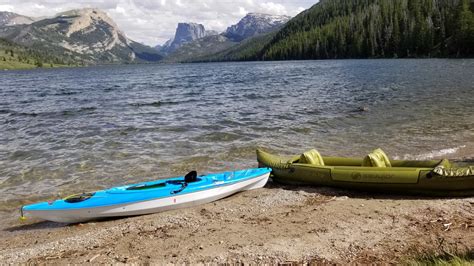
column 375, row 159
column 191, row 181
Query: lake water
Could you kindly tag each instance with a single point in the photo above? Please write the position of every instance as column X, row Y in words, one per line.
column 72, row 130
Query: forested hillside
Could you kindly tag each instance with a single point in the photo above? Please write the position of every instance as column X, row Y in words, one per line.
column 376, row 29
column 14, row 56
column 246, row 50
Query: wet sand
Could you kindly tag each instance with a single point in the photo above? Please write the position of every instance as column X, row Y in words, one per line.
column 273, row 224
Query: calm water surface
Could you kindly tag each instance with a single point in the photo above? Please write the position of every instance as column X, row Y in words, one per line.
column 68, row 130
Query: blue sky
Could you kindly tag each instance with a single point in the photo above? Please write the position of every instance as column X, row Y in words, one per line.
column 154, row 21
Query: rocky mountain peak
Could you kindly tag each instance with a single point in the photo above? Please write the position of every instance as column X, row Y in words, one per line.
column 86, row 18
column 10, row 19
column 185, row 33
column 253, row 24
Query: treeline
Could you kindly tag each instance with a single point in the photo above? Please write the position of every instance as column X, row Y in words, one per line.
column 246, row 50
column 13, row 52
column 335, row 29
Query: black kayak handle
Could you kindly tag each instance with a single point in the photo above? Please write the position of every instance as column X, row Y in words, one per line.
column 183, row 186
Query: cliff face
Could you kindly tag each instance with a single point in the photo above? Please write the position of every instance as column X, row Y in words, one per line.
column 88, row 34
column 185, row 33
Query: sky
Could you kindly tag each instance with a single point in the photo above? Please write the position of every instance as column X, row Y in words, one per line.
column 153, row 22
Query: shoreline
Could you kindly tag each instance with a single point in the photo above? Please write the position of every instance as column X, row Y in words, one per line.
column 462, row 155
column 31, row 67
column 269, row 225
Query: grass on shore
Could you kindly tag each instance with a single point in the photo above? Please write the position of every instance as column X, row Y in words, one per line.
column 444, row 259
column 11, row 63
column 7, row 65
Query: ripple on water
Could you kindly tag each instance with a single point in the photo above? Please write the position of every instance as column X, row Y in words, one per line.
column 62, row 132
column 218, row 137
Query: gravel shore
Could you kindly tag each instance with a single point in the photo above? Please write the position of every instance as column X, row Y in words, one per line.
column 269, row 225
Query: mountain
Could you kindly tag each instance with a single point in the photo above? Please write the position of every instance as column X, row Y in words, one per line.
column 185, row 33
column 376, row 29
column 200, row 49
column 254, row 24
column 219, row 48
column 10, row 19
column 83, row 35
column 227, row 44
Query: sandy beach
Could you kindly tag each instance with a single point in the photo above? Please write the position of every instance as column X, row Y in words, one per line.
column 276, row 224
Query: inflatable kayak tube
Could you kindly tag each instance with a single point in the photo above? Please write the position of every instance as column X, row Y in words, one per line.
column 375, row 172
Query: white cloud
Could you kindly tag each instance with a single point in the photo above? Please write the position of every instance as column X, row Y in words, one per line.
column 241, row 12
column 8, row 8
column 154, row 21
column 273, row 8
column 300, row 9
column 120, row 10
column 178, row 3
column 38, row 6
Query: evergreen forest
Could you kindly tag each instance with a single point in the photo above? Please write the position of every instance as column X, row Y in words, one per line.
column 334, row 29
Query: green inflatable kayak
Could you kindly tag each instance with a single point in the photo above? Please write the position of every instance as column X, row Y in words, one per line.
column 374, row 172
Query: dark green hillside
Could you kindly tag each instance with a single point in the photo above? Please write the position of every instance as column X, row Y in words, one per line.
column 201, row 50
column 376, row 29
column 245, row 50
column 144, row 53
column 14, row 56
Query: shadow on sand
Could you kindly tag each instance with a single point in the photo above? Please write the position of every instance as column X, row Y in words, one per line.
column 359, row 194
column 34, row 225
column 44, row 225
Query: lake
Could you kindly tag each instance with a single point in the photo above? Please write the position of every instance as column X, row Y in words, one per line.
column 72, row 130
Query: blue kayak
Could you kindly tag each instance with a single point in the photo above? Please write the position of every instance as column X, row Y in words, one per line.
column 148, row 197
